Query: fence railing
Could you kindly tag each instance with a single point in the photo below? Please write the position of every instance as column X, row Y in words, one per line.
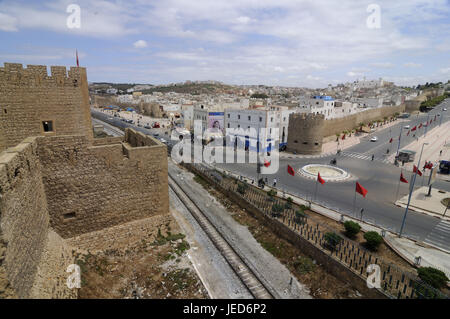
column 394, row 281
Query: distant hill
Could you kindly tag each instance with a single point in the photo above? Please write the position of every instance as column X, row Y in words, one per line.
column 193, row 88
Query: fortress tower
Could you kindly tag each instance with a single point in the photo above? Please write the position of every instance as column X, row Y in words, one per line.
column 305, row 133
column 32, row 103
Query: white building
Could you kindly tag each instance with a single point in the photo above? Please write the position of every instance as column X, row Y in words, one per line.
column 367, row 102
column 320, row 104
column 257, row 118
column 344, row 108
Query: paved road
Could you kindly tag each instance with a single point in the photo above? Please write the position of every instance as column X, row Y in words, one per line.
column 379, row 177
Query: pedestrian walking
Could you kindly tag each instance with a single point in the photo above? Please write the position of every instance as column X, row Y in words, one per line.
column 373, row 156
column 440, row 153
column 274, row 182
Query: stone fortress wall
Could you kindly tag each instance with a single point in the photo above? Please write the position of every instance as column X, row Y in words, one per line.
column 31, row 254
column 309, row 132
column 94, row 187
column 55, row 186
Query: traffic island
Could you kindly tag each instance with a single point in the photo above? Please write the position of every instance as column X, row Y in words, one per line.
column 433, row 205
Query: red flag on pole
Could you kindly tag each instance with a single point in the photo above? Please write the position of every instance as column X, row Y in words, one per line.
column 343, row 137
column 360, row 189
column 320, row 179
column 78, row 63
column 290, row 170
column 413, row 129
column 403, row 179
column 407, row 133
column 415, row 170
column 429, row 165
column 420, row 125
column 390, row 141
column 266, row 163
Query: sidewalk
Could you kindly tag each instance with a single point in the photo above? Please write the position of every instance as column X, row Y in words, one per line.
column 427, row 205
column 406, row 248
column 437, row 139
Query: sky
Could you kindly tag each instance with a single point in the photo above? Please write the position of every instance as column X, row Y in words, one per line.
column 270, row 42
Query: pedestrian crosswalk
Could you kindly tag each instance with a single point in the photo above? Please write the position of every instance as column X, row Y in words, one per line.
column 365, row 157
column 440, row 235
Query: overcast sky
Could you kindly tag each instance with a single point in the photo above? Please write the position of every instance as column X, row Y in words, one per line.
column 272, row 42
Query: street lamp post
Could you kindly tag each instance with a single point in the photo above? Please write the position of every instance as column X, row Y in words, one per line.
column 399, row 139
column 426, row 127
column 411, row 191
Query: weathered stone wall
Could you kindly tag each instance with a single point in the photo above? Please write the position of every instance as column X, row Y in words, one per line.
column 28, row 96
column 24, row 228
column 332, row 127
column 94, row 187
column 305, row 133
column 124, row 235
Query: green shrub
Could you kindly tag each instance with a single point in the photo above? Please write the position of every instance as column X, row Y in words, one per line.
column 351, row 228
column 432, row 276
column 272, row 193
column 241, row 188
column 304, row 265
column 277, row 209
column 332, row 240
column 373, row 240
column 288, row 204
column 300, row 217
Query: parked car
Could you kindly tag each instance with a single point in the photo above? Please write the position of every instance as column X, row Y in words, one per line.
column 374, row 139
column 147, row 126
column 444, row 109
column 407, row 127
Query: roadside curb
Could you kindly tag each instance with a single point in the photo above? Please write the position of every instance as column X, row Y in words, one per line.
column 422, row 211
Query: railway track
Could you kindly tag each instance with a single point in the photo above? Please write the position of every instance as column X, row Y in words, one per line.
column 247, row 276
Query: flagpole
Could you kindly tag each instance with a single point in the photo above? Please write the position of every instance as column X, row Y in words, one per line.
column 398, row 186
column 315, row 192
column 410, row 192
column 354, row 201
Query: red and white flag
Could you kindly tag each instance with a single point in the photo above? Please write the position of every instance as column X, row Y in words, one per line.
column 416, row 170
column 290, row 170
column 403, row 179
column 413, row 129
column 360, row 189
column 320, row 179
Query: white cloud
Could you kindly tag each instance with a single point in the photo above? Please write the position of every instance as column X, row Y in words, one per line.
column 382, row 65
column 445, row 70
column 412, row 65
column 140, row 44
column 7, row 23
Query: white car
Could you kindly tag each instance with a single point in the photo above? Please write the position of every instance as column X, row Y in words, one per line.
column 163, row 141
column 407, row 127
column 444, row 109
column 374, row 139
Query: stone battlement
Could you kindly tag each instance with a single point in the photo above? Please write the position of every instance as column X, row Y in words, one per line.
column 38, row 75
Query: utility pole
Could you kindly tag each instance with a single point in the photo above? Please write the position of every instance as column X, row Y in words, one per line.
column 411, row 191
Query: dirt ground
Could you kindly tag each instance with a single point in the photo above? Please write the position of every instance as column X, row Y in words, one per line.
column 147, row 270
